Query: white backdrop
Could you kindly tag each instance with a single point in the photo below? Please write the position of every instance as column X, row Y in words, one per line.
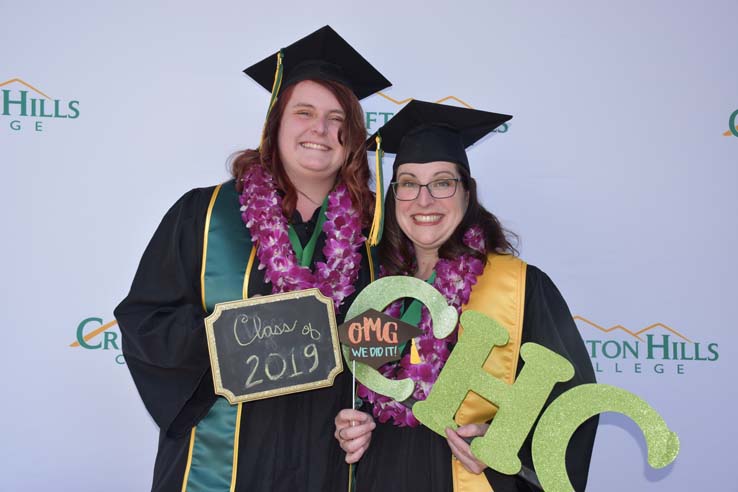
column 618, row 171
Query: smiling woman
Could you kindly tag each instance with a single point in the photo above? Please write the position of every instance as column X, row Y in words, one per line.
column 436, row 230
column 294, row 217
column 430, row 217
column 319, row 129
column 309, row 141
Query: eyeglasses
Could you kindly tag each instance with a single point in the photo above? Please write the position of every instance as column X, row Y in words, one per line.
column 439, row 188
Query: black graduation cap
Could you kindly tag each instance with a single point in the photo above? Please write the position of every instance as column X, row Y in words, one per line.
column 427, row 132
column 322, row 55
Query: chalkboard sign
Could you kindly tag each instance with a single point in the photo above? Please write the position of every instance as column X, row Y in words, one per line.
column 273, row 345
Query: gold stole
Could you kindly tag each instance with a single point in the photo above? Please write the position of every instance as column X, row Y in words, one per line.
column 500, row 294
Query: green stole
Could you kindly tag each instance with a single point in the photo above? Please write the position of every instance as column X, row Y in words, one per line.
column 228, row 256
column 213, row 451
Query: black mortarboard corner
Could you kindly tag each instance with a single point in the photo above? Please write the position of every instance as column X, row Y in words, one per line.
column 428, row 132
column 322, row 55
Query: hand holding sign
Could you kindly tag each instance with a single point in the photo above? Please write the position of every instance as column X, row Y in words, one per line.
column 353, row 432
column 459, row 439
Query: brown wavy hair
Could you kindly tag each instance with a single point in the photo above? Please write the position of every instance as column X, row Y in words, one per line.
column 396, row 252
column 354, row 173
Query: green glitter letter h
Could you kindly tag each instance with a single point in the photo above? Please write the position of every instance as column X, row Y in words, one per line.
column 518, row 404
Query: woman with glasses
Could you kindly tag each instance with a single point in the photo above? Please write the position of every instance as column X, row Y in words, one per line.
column 436, row 230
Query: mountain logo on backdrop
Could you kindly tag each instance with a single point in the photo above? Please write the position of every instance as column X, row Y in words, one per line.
column 375, row 119
column 26, row 107
column 732, row 125
column 93, row 334
column 655, row 349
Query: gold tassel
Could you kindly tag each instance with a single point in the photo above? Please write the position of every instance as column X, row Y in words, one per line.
column 375, row 233
column 275, row 91
column 414, row 355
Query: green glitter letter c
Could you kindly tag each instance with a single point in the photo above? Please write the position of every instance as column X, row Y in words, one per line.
column 378, row 295
column 571, row 409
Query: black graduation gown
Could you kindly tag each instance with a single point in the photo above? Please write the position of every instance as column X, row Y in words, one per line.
column 285, row 443
column 416, row 458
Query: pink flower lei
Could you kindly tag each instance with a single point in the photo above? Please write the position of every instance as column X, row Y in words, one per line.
column 454, row 279
column 261, row 211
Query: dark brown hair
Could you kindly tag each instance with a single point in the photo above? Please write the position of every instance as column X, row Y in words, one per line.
column 396, row 253
column 355, row 171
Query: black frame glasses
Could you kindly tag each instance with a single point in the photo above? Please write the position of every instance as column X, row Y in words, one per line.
column 427, row 186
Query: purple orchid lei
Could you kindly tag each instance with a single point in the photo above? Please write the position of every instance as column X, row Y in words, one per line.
column 454, row 279
column 261, row 211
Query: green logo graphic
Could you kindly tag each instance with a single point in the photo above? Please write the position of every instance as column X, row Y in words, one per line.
column 376, row 119
column 21, row 102
column 93, row 334
column 655, row 349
